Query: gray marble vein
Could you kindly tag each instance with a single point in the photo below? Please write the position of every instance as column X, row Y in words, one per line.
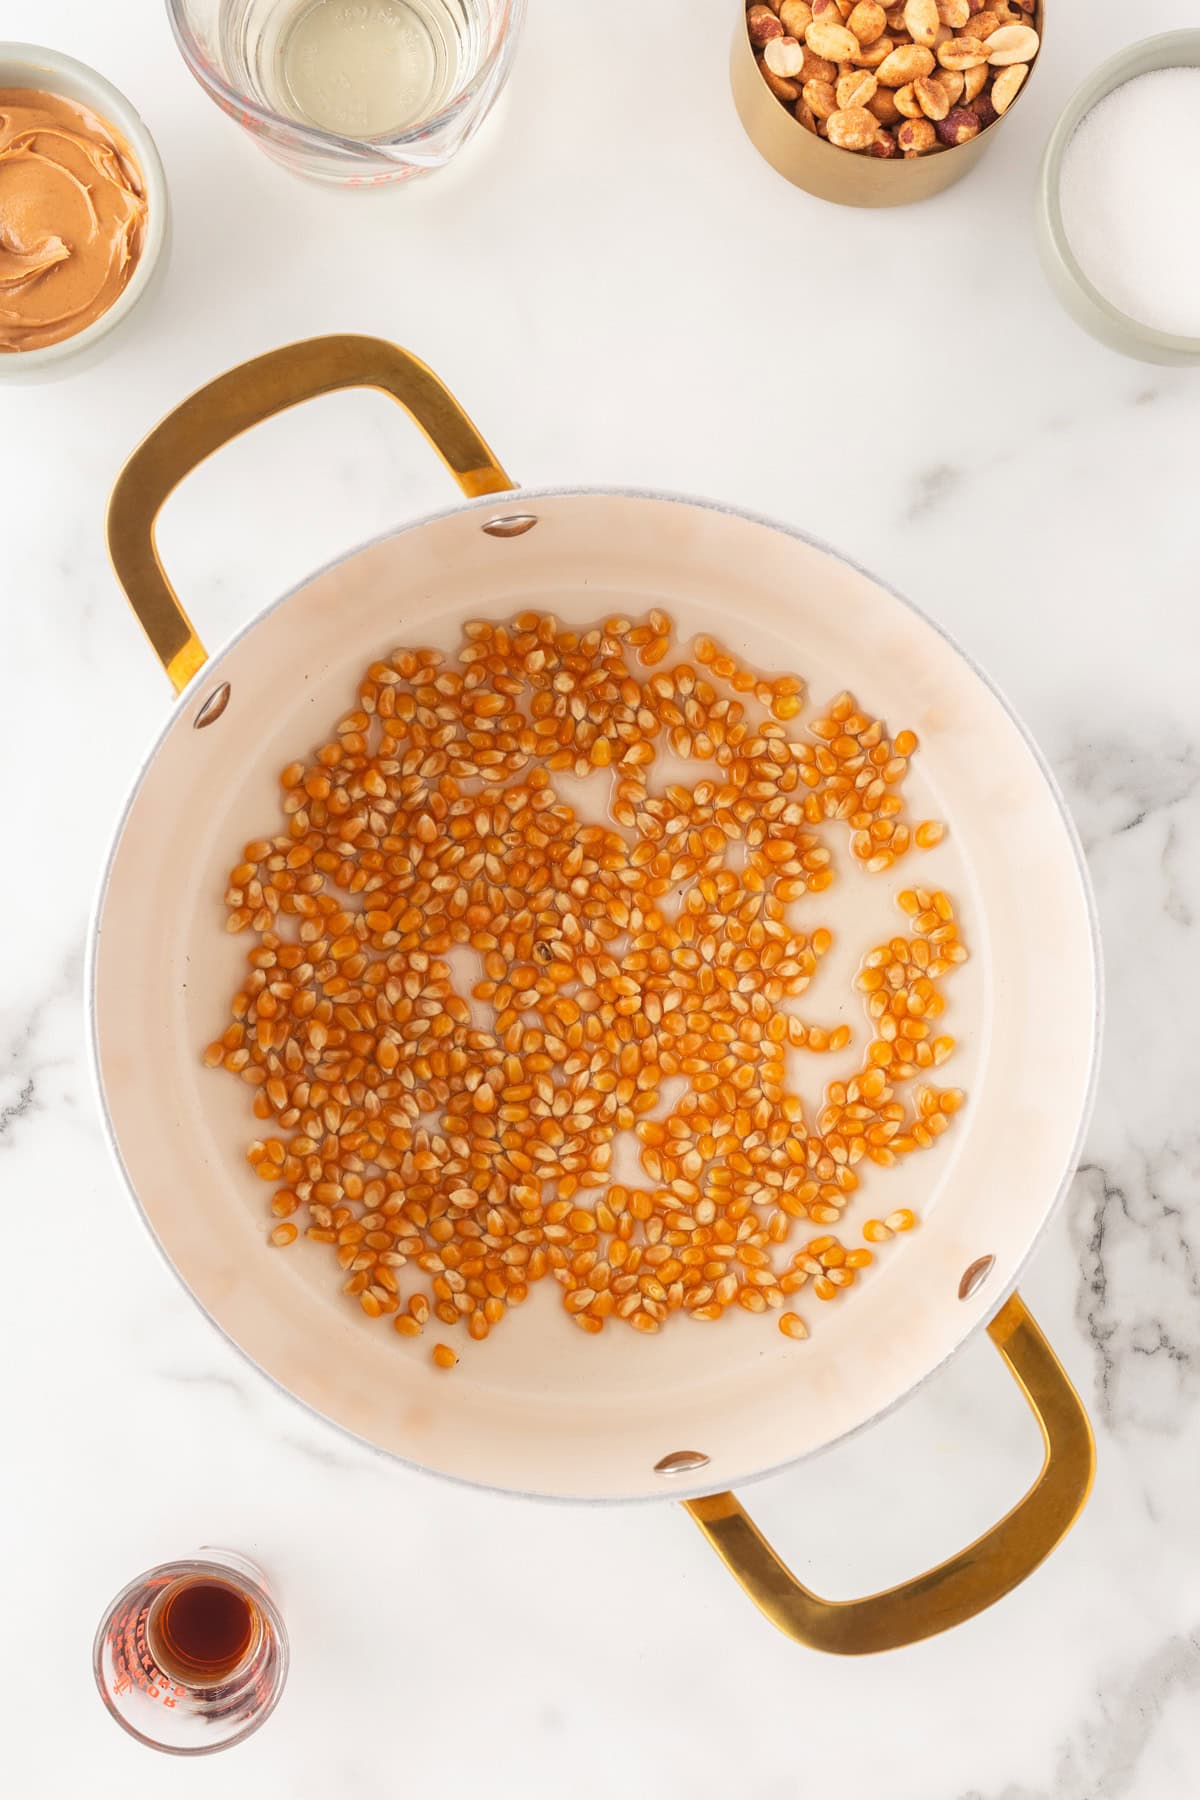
column 209, row 1378
column 17, row 1109
column 932, row 488
column 1103, row 1756
column 1138, row 1297
column 25, row 1060
column 1116, row 783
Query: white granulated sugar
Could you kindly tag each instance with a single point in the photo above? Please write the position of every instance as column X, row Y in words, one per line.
column 1130, row 195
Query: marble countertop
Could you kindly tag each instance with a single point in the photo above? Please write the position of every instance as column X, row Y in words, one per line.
column 620, row 292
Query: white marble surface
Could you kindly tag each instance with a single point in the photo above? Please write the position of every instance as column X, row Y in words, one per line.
column 621, row 292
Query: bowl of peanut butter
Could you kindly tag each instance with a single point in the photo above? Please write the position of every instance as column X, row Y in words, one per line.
column 83, row 210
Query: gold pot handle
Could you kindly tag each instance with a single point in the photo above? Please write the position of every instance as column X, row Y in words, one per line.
column 974, row 1579
column 228, row 406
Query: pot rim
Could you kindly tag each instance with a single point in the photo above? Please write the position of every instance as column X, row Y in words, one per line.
column 491, row 503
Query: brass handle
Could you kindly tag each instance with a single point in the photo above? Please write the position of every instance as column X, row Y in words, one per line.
column 228, row 406
column 974, row 1579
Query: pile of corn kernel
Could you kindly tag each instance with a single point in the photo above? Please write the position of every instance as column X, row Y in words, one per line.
column 634, row 976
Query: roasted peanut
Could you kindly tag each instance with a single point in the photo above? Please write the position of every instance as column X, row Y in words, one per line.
column 871, row 55
column 833, row 42
column 821, row 97
column 916, row 136
column 762, row 25
column 951, row 82
column 867, row 21
column 852, row 128
column 921, row 21
column 958, row 127
column 856, row 88
column 883, row 104
column 795, row 16
column 962, row 53
column 905, row 64
column 883, row 146
column 983, row 24
column 907, row 103
column 816, row 68
column 1007, row 85
column 973, row 80
column 780, row 86
column 953, row 13
column 784, row 57
column 806, row 116
column 931, row 97
column 1012, row 44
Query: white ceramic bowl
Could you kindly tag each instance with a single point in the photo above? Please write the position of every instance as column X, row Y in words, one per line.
column 33, row 66
column 1082, row 299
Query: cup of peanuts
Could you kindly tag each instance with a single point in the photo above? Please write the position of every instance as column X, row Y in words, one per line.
column 867, row 104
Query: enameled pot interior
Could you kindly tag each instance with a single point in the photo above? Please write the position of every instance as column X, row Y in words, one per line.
column 540, row 1408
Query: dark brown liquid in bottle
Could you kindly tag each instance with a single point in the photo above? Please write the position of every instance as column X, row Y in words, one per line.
column 202, row 1631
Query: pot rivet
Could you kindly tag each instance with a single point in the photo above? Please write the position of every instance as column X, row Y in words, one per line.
column 681, row 1462
column 515, row 525
column 213, row 707
column 974, row 1277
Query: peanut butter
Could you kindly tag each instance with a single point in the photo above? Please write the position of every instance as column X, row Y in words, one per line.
column 72, row 217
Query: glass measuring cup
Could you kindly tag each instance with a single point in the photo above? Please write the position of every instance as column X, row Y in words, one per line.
column 355, row 92
column 192, row 1656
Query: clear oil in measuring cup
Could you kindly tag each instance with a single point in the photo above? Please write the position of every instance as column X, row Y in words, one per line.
column 370, row 69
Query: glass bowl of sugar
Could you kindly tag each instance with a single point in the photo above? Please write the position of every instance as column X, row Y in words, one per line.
column 1118, row 215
